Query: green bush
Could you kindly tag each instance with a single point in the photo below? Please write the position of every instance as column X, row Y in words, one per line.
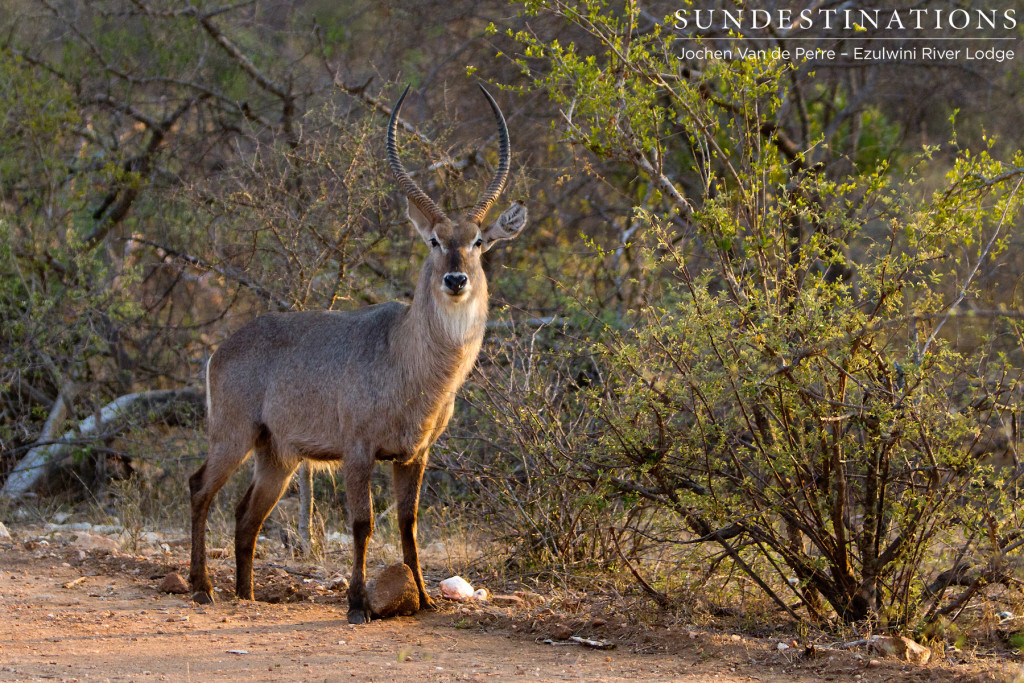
column 786, row 388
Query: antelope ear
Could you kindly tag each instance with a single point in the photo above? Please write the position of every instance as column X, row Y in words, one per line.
column 419, row 220
column 508, row 225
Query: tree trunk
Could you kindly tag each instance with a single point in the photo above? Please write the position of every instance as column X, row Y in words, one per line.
column 306, row 509
column 38, row 463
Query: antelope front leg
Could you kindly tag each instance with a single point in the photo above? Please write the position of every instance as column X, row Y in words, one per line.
column 408, row 479
column 360, row 513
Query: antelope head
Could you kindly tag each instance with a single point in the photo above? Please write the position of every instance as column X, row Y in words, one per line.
column 452, row 270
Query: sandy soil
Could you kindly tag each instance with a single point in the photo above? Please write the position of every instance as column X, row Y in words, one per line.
column 72, row 614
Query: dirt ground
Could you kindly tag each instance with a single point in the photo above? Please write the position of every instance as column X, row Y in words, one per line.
column 75, row 614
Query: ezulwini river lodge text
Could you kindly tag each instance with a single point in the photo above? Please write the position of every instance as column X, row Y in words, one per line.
column 870, row 54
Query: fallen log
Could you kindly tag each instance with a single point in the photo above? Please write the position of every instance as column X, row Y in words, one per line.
column 148, row 406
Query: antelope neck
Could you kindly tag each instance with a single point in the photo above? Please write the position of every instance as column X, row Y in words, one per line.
column 441, row 333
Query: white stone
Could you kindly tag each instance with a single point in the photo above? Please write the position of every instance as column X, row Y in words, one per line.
column 456, row 588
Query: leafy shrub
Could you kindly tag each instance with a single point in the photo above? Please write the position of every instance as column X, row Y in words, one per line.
column 787, row 388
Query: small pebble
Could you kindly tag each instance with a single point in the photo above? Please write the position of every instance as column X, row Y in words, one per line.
column 173, row 583
column 561, row 632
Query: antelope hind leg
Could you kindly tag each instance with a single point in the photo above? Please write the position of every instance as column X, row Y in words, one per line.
column 201, row 497
column 269, row 481
column 223, row 460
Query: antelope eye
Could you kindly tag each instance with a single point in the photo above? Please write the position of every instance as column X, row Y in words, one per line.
column 479, row 243
column 434, row 243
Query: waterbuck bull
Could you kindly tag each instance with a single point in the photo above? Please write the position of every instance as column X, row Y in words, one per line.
column 352, row 387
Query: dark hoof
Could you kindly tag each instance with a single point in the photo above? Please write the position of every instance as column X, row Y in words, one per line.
column 426, row 603
column 203, row 597
column 359, row 616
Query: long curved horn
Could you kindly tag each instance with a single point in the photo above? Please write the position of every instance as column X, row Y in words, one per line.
column 476, row 214
column 417, row 196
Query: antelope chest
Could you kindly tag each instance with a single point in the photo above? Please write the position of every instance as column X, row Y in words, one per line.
column 417, row 433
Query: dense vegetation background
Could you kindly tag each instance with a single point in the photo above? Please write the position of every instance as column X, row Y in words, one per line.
column 761, row 341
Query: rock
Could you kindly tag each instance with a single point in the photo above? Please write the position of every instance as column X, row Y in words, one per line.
column 277, row 593
column 173, row 583
column 598, row 622
column 456, row 588
column 912, row 652
column 338, row 538
column 151, row 538
column 560, row 632
column 529, row 597
column 882, row 645
column 394, row 593
column 337, row 583
column 5, row 535
column 88, row 541
column 511, row 600
column 901, row 647
column 481, row 595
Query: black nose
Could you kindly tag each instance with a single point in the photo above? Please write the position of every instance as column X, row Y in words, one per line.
column 455, row 282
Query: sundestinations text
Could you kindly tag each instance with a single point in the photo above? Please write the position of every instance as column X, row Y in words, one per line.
column 846, row 19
